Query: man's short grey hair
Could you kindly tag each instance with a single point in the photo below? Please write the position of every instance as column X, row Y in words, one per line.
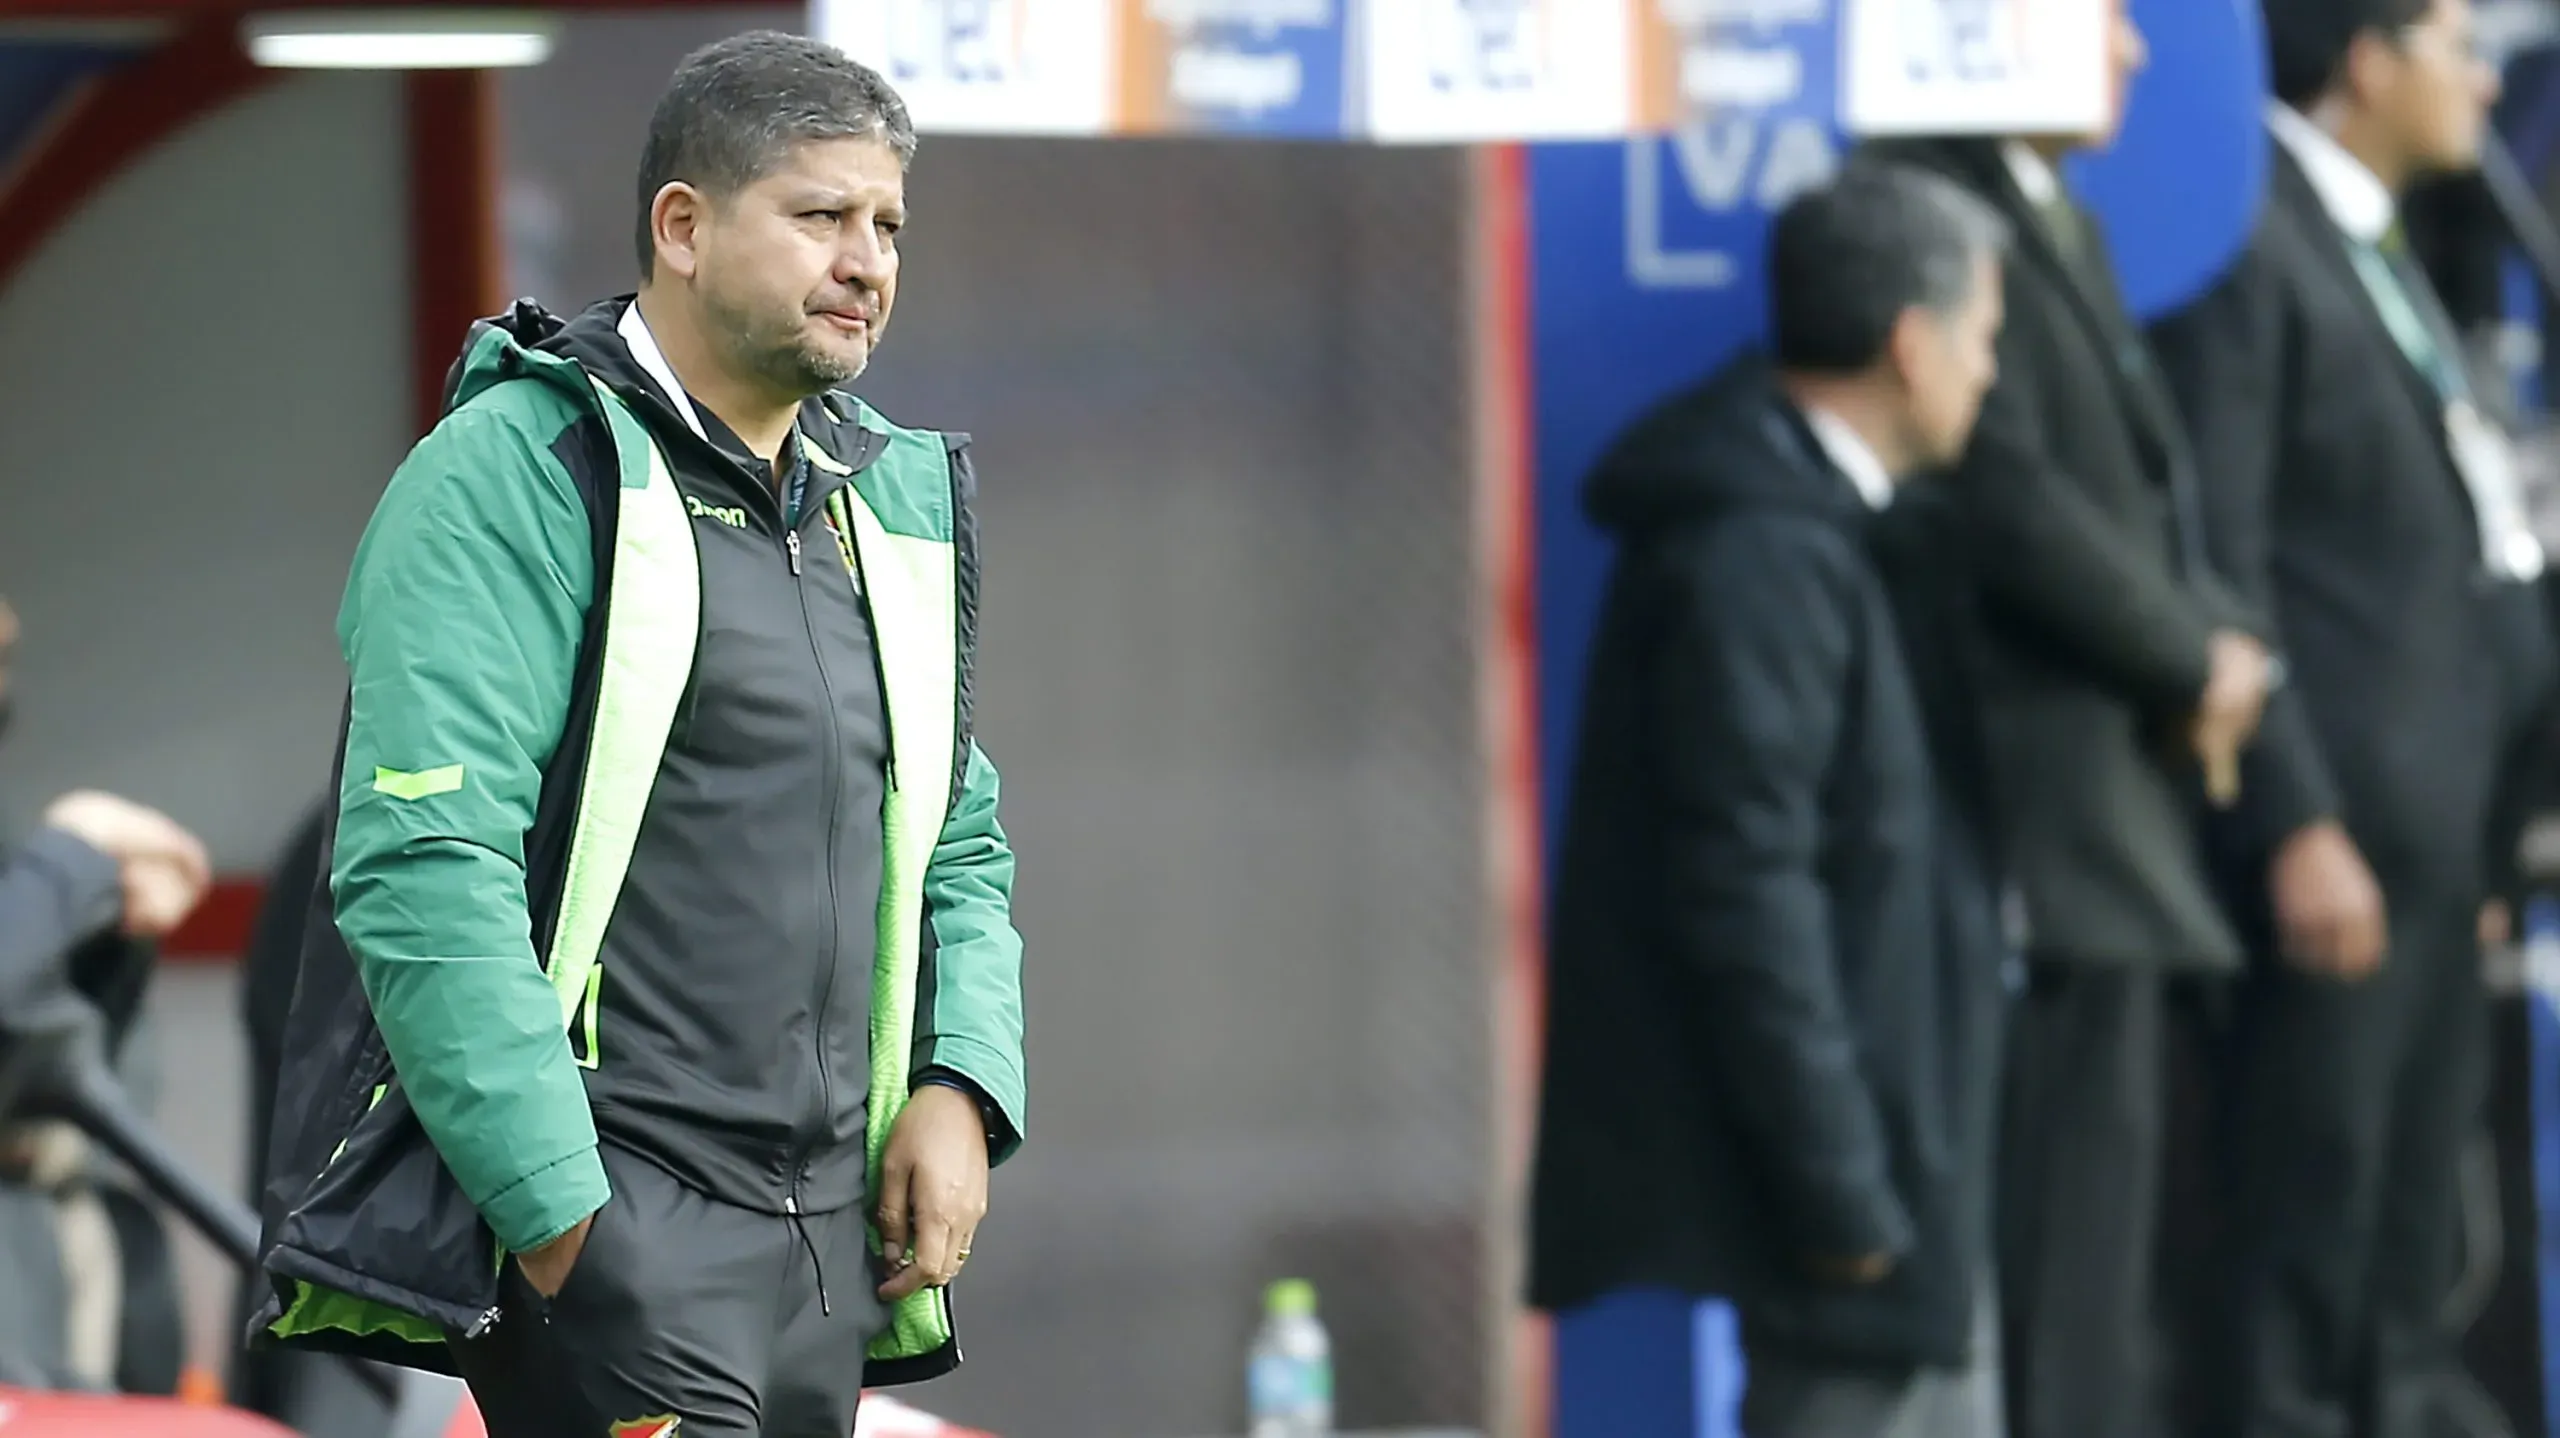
column 736, row 108
column 1848, row 259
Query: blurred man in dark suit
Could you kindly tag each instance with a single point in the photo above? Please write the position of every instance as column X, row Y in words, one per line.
column 2120, row 674
column 1773, row 1047
column 2356, row 493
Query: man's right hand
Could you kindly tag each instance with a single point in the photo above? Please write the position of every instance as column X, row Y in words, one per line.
column 2329, row 914
column 2227, row 713
column 547, row 1268
column 165, row 868
column 1857, row 1272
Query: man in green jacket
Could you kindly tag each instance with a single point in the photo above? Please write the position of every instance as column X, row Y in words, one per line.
column 650, row 1073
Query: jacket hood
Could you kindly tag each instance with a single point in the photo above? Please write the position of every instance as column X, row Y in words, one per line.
column 1733, row 442
column 529, row 340
column 511, row 345
column 592, row 337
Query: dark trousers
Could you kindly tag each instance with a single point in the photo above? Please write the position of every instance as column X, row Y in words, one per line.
column 2354, row 1103
column 682, row 1307
column 1789, row 1393
column 2083, row 1127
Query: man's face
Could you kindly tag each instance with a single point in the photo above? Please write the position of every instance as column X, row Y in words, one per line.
column 1948, row 361
column 797, row 272
column 2127, row 54
column 2429, row 89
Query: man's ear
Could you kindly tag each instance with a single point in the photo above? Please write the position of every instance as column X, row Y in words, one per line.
column 2370, row 67
column 1906, row 345
column 676, row 216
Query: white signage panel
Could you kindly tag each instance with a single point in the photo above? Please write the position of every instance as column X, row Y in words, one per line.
column 1020, row 67
column 1453, row 70
column 2007, row 67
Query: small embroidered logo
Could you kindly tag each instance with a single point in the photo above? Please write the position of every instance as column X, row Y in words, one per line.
column 734, row 516
column 662, row 1426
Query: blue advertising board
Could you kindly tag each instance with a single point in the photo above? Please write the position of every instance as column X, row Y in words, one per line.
column 2180, row 190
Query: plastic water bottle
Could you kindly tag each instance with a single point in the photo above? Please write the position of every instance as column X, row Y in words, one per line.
column 1291, row 1376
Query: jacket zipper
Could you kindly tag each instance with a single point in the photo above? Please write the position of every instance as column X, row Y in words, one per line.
column 835, row 920
column 768, row 494
column 489, row 1316
column 800, row 1224
column 960, row 657
column 791, row 1205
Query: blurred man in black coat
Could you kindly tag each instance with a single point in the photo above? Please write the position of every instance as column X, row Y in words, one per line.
column 1773, row 1040
column 2358, row 494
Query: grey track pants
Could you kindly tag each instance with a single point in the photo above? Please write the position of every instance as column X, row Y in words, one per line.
column 683, row 1307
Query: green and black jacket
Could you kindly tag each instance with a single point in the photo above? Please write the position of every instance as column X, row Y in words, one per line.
column 660, row 819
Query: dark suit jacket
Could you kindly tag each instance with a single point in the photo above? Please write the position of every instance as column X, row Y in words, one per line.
column 1774, row 1021
column 2334, row 503
column 2097, row 602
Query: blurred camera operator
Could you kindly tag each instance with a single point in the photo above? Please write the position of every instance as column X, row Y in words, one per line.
column 100, row 874
column 98, row 862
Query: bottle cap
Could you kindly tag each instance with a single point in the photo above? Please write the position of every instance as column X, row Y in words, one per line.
column 1290, row 1298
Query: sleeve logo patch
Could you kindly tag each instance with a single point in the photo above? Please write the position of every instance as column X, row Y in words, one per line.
column 424, row 784
column 662, row 1426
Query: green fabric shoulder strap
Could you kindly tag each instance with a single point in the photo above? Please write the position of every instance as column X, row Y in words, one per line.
column 895, row 523
column 653, row 619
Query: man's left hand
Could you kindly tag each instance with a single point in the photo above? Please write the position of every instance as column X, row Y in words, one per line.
column 933, row 1189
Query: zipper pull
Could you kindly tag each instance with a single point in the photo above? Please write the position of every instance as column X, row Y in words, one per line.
column 800, row 1224
column 791, row 541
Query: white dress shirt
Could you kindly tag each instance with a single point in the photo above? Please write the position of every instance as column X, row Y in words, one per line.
column 2363, row 208
column 1852, row 456
column 2033, row 173
column 2355, row 197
